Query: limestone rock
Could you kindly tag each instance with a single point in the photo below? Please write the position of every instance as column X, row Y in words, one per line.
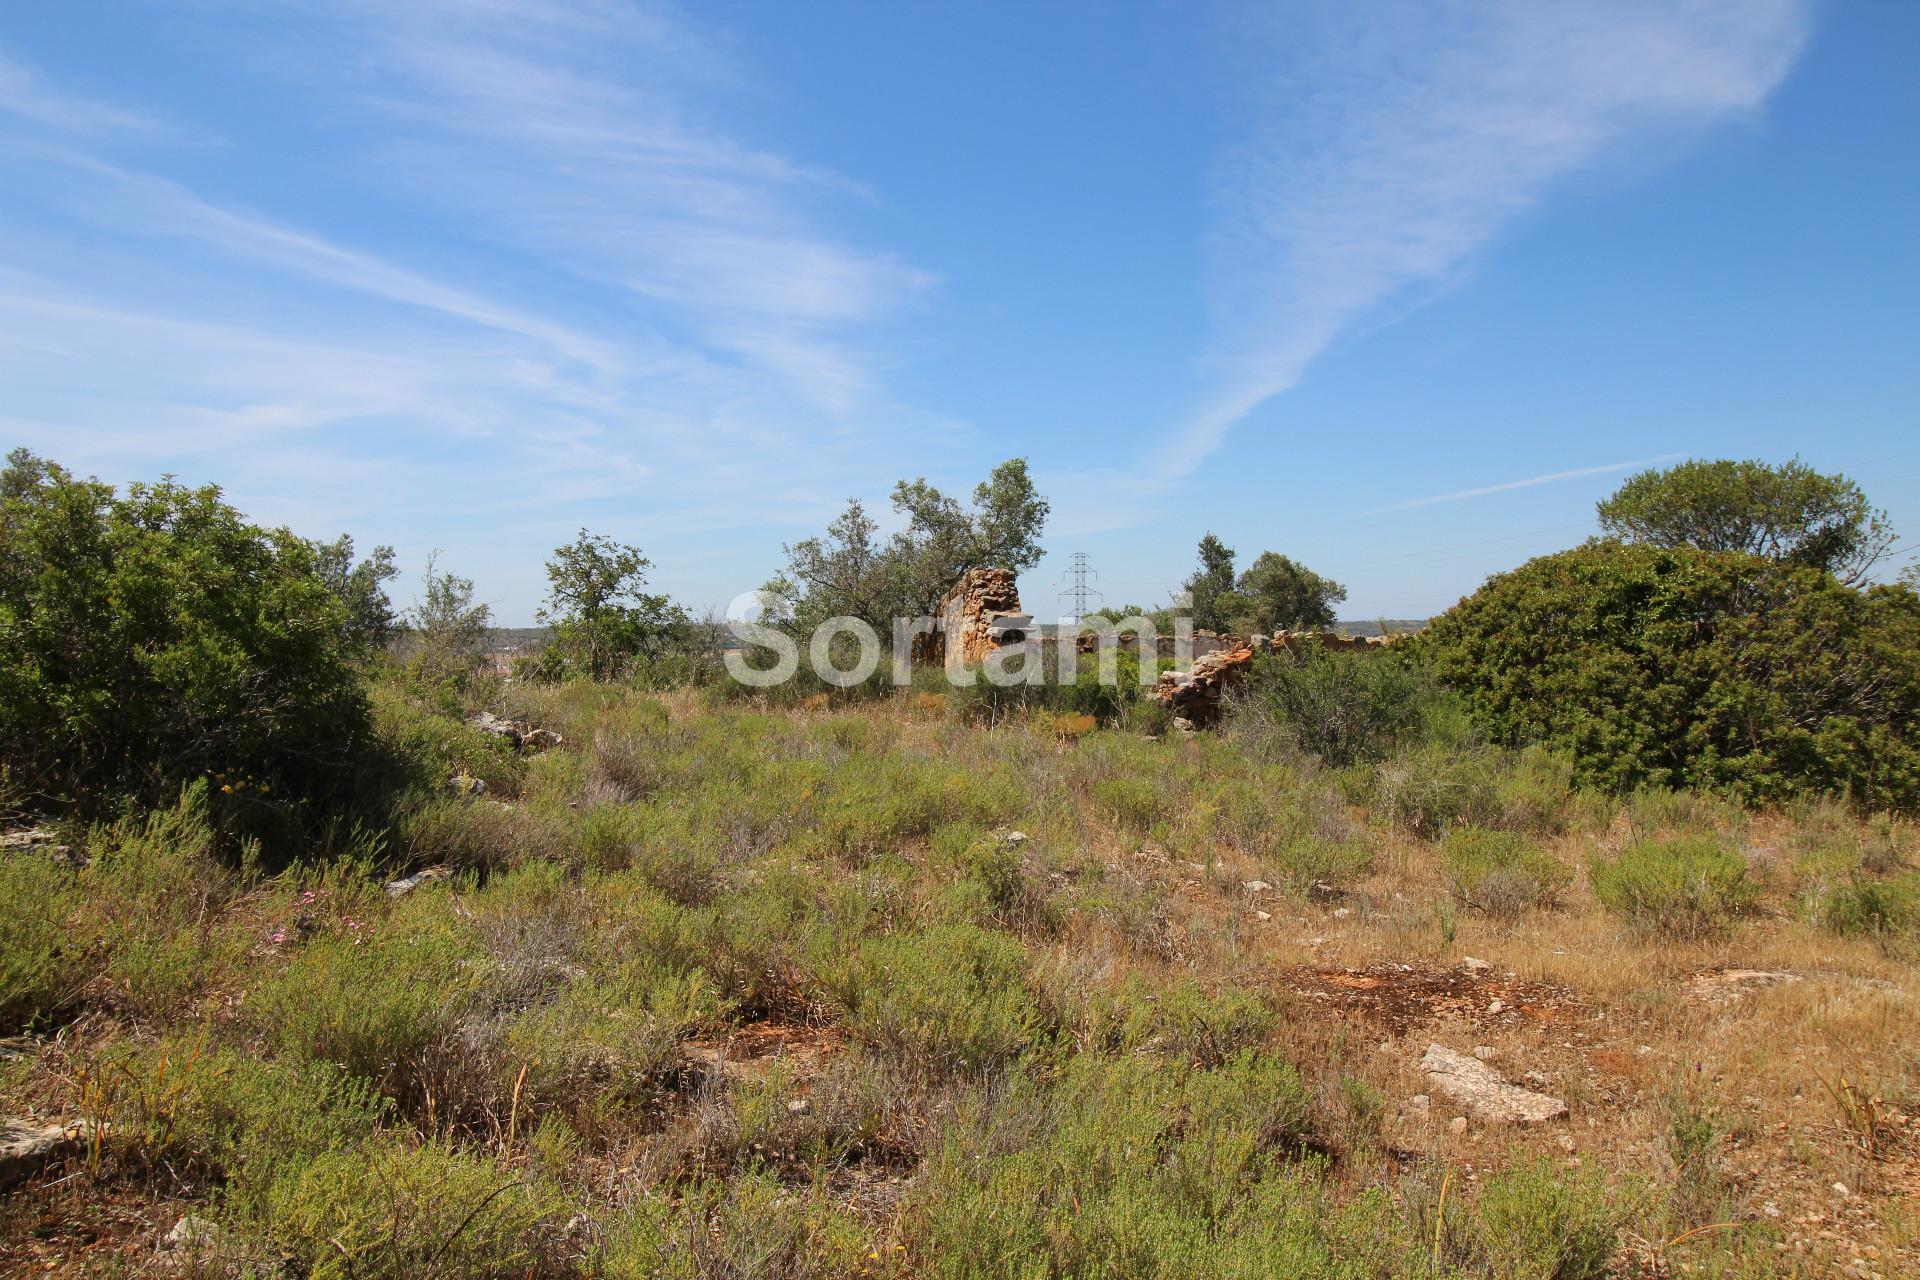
column 1483, row 1092
column 25, row 1147
column 979, row 614
column 396, row 888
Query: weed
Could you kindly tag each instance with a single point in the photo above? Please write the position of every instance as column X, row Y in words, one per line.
column 1500, row 872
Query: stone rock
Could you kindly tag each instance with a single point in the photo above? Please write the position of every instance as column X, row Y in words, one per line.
column 518, row 733
column 1484, row 1092
column 1485, row 1052
column 1255, row 886
column 465, row 784
column 1473, row 964
column 1457, row 1126
column 797, row 1106
column 1195, row 695
column 395, row 888
column 194, row 1233
column 1730, row 984
column 25, row 1147
column 1015, row 837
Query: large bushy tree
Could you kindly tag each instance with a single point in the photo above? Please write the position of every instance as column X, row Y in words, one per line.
column 852, row 571
column 1278, row 591
column 362, row 588
column 1678, row 667
column 152, row 637
column 602, row 615
column 1788, row 512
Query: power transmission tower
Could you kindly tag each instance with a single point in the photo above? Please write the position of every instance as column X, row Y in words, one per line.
column 1080, row 592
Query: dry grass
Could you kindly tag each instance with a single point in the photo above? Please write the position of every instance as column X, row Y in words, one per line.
column 798, row 964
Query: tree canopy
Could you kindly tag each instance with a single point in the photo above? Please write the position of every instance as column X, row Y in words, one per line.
column 154, row 637
column 1672, row 666
column 1275, row 591
column 851, row 571
column 1787, row 512
column 600, row 611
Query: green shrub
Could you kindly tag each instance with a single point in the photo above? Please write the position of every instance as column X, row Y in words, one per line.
column 1136, row 804
column 1881, row 908
column 375, row 1002
column 1683, row 668
column 1535, row 1224
column 250, row 1123
column 212, row 647
column 158, row 893
column 1688, row 887
column 1142, row 1167
column 39, row 974
column 388, row 1209
column 951, row 997
column 1500, row 872
column 747, row 1226
column 1309, row 865
column 1342, row 707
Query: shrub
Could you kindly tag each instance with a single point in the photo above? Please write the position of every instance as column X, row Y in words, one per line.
column 1499, row 872
column 211, row 646
column 951, row 997
column 250, row 1123
column 374, row 1002
column 38, row 976
column 1684, row 668
column 1533, row 1224
column 429, row 1211
column 1342, row 707
column 1688, row 887
column 157, row 894
column 1136, row 804
column 1880, row 908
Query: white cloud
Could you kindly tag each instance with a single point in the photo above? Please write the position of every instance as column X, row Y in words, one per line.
column 1408, row 135
column 1460, row 495
column 24, row 94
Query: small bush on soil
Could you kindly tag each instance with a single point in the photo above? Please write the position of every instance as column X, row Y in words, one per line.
column 1500, row 873
column 427, row 1211
column 1534, row 1223
column 375, row 1001
column 37, row 976
column 1345, row 708
column 1688, row 887
column 1879, row 908
column 951, row 997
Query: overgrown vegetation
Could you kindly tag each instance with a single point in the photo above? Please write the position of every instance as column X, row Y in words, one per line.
column 928, row 981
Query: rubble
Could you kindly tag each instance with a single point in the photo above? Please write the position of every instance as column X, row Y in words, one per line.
column 1195, row 696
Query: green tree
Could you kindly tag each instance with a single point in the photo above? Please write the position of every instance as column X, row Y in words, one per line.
column 1685, row 668
column 154, row 637
column 1788, row 512
column 602, row 616
column 1214, row 602
column 1282, row 592
column 853, row 572
column 450, row 630
column 361, row 587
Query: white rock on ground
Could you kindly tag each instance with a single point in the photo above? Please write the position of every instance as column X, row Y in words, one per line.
column 1482, row 1091
column 25, row 1146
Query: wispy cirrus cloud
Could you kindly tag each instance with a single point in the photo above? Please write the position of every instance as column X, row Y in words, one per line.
column 27, row 95
column 1552, row 477
column 1400, row 139
column 574, row 132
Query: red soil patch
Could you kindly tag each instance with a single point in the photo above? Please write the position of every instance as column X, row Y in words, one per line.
column 1406, row 996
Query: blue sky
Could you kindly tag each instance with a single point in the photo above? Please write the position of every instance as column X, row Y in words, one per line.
column 1399, row 289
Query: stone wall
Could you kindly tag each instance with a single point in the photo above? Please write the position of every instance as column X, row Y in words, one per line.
column 979, row 613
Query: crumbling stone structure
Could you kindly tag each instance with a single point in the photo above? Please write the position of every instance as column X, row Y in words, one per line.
column 979, row 614
column 1195, row 696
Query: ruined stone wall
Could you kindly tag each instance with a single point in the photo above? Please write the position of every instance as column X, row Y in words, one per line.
column 978, row 614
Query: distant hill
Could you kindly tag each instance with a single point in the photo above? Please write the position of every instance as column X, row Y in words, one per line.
column 1379, row 626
